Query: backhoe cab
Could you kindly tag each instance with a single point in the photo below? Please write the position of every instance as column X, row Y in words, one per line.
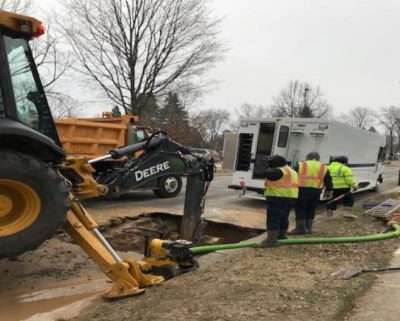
column 41, row 188
column 25, row 116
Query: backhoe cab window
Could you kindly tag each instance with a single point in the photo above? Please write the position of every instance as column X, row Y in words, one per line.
column 139, row 135
column 26, row 92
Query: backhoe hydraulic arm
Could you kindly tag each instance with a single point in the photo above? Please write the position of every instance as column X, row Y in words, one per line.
column 161, row 156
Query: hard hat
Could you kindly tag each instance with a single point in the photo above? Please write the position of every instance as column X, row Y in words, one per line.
column 278, row 161
column 313, row 155
column 341, row 159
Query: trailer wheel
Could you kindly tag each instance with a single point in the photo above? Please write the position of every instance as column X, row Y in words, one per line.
column 168, row 186
column 375, row 189
column 33, row 202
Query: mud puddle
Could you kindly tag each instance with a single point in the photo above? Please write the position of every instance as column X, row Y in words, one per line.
column 50, row 303
column 56, row 299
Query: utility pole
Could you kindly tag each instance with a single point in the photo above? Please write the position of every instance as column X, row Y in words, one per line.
column 306, row 89
column 306, row 112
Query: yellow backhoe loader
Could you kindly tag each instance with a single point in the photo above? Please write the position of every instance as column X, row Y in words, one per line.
column 41, row 188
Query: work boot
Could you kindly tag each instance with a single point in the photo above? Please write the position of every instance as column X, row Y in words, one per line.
column 300, row 228
column 270, row 241
column 282, row 235
column 309, row 226
column 347, row 213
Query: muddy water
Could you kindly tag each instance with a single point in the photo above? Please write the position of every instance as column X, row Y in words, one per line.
column 53, row 303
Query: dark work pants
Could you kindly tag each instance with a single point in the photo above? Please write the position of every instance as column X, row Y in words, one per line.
column 348, row 200
column 306, row 204
column 278, row 214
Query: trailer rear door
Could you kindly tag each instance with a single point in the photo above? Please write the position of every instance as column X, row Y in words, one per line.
column 246, row 148
column 281, row 141
column 264, row 145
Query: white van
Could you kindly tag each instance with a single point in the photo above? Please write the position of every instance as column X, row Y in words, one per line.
column 294, row 138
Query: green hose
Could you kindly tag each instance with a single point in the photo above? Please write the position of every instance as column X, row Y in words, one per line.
column 311, row 240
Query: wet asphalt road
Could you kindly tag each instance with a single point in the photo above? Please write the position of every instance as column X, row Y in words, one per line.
column 222, row 204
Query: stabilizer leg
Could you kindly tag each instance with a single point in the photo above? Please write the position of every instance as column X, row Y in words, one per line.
column 192, row 223
column 126, row 274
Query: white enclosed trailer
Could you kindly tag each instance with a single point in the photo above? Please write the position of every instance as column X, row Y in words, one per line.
column 294, row 138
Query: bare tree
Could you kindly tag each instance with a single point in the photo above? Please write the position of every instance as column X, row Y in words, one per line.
column 63, row 106
column 53, row 62
column 133, row 50
column 252, row 110
column 300, row 99
column 389, row 117
column 19, row 6
column 248, row 110
column 209, row 123
column 361, row 117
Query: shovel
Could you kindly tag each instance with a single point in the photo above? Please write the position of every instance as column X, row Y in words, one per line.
column 351, row 273
column 360, row 185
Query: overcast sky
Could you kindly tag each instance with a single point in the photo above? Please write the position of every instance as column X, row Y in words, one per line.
column 350, row 48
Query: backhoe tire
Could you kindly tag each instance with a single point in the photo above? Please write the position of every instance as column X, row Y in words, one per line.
column 33, row 202
column 168, row 186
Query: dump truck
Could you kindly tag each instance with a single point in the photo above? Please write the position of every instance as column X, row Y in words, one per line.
column 41, row 188
column 94, row 137
column 294, row 138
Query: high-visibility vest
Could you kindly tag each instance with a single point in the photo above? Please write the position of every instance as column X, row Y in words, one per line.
column 286, row 186
column 312, row 173
column 342, row 176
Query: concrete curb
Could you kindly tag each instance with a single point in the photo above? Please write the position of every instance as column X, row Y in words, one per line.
column 223, row 174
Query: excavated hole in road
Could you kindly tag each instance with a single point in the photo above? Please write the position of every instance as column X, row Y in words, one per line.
column 129, row 233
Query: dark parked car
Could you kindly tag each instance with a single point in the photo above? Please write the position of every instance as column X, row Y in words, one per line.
column 206, row 153
column 215, row 156
column 201, row 152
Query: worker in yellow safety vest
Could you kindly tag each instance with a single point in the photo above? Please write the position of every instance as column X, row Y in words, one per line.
column 313, row 177
column 343, row 184
column 281, row 192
